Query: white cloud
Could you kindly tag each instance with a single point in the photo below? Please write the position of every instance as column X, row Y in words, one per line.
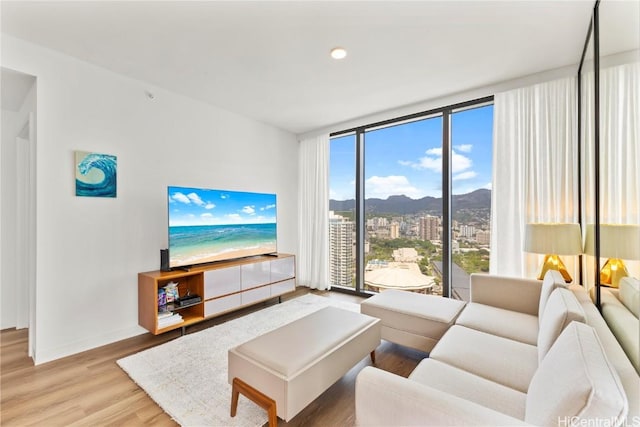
column 464, row 148
column 180, row 197
column 268, row 207
column 234, row 217
column 385, row 186
column 249, row 210
column 206, row 216
column 488, row 186
column 464, row 175
column 209, row 206
column 459, row 162
column 433, row 161
column 195, row 199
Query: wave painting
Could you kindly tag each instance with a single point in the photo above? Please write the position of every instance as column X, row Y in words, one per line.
column 96, row 174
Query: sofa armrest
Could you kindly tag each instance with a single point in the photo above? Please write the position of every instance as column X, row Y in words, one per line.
column 510, row 293
column 386, row 399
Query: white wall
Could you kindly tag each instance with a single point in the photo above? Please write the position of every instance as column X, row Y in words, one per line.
column 89, row 250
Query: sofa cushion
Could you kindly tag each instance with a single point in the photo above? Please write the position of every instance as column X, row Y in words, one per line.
column 507, row 362
column 561, row 309
column 552, row 280
column 575, row 379
column 470, row 387
column 630, row 294
column 498, row 321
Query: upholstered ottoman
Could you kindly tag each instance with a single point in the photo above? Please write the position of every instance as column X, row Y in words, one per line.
column 413, row 320
column 286, row 369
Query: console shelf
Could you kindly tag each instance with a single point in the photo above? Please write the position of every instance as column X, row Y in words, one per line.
column 224, row 286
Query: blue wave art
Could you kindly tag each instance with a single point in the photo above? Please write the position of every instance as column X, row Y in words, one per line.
column 96, row 174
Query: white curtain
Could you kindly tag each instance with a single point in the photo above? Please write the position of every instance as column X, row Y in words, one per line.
column 534, row 171
column 619, row 152
column 313, row 213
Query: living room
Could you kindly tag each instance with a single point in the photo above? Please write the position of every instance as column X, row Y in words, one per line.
column 87, row 252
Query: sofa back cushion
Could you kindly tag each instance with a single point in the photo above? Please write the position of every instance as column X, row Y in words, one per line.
column 630, row 294
column 561, row 309
column 552, row 280
column 576, row 383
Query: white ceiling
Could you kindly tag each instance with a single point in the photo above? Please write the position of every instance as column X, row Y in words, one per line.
column 269, row 60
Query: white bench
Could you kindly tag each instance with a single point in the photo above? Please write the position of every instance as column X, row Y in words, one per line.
column 286, row 369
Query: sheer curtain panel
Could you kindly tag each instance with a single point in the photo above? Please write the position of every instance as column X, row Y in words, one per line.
column 313, row 213
column 619, row 153
column 535, row 176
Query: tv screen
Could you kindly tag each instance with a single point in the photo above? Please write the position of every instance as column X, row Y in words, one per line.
column 213, row 225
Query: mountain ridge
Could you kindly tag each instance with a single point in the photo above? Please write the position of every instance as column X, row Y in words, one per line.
column 401, row 204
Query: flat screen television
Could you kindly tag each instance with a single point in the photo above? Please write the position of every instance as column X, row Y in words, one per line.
column 207, row 225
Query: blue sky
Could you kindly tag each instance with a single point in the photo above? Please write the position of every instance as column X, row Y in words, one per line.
column 194, row 206
column 407, row 158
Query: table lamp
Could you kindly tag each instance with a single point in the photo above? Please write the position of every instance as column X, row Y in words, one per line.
column 552, row 240
column 617, row 242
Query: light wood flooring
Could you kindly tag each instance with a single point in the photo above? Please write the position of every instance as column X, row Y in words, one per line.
column 89, row 389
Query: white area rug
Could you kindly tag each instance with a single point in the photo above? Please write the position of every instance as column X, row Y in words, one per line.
column 187, row 377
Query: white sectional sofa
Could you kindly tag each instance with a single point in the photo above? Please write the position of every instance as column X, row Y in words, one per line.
column 521, row 352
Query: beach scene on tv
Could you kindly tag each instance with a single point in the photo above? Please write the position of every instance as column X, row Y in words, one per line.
column 213, row 225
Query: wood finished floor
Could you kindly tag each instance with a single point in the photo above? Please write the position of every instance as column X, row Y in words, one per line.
column 89, row 389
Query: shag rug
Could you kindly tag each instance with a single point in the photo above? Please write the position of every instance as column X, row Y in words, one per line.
column 187, row 377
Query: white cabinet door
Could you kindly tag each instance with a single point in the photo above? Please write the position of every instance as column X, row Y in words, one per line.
column 256, row 274
column 221, row 281
column 256, row 295
column 282, row 269
column 283, row 287
column 220, row 305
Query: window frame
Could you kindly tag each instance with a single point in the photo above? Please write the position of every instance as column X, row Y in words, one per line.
column 360, row 225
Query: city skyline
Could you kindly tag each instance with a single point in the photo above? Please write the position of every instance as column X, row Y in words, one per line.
column 406, row 159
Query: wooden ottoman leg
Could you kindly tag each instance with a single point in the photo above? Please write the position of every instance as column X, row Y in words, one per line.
column 256, row 396
column 373, row 356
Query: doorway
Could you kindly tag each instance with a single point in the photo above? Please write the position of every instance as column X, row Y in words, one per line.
column 18, row 204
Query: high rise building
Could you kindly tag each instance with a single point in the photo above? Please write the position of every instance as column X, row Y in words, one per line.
column 467, row 231
column 394, row 230
column 341, row 250
column 483, row 237
column 429, row 227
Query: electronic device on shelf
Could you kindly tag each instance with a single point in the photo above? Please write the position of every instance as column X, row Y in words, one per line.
column 188, row 300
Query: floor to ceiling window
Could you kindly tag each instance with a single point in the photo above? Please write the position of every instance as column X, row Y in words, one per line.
column 342, row 225
column 402, row 204
column 389, row 210
column 471, row 175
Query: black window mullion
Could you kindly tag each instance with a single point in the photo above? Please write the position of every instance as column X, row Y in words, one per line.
column 359, row 205
column 446, row 204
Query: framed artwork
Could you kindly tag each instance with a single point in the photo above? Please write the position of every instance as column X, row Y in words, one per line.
column 96, row 174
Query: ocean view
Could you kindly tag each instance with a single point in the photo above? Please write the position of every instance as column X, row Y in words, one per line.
column 206, row 243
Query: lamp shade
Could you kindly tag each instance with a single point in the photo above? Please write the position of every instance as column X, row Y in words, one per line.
column 620, row 241
column 553, row 238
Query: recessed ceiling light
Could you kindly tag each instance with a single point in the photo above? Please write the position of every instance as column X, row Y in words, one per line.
column 338, row 53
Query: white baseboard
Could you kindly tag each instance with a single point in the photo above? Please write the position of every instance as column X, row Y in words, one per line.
column 49, row 354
